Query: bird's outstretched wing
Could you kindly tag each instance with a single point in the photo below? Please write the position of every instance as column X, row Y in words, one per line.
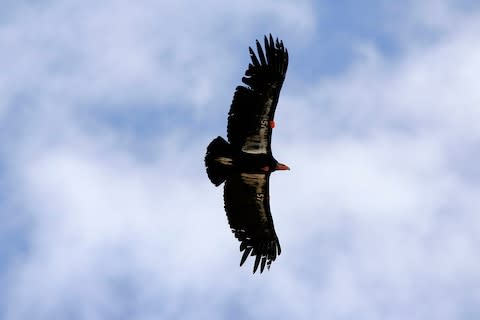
column 247, row 205
column 250, row 119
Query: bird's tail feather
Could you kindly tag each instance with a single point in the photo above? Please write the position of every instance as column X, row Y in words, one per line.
column 218, row 160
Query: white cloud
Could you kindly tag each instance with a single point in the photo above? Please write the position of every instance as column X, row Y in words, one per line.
column 96, row 210
column 377, row 219
column 379, row 181
column 131, row 54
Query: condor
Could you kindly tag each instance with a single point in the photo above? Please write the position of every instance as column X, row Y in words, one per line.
column 245, row 162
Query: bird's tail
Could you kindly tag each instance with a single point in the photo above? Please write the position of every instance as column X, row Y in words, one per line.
column 218, row 160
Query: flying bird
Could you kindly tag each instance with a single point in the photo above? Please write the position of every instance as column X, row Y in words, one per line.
column 245, row 162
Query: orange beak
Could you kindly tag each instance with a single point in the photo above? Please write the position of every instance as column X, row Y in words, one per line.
column 281, row 166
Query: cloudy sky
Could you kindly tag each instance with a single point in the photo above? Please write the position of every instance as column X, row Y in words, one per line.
column 106, row 108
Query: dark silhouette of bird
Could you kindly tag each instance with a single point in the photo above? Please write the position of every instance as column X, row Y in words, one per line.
column 245, row 162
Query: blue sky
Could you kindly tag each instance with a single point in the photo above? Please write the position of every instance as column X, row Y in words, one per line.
column 105, row 112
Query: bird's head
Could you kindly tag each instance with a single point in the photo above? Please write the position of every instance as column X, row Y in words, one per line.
column 275, row 166
column 281, row 166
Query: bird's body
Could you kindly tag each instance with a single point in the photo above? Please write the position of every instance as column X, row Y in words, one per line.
column 245, row 162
